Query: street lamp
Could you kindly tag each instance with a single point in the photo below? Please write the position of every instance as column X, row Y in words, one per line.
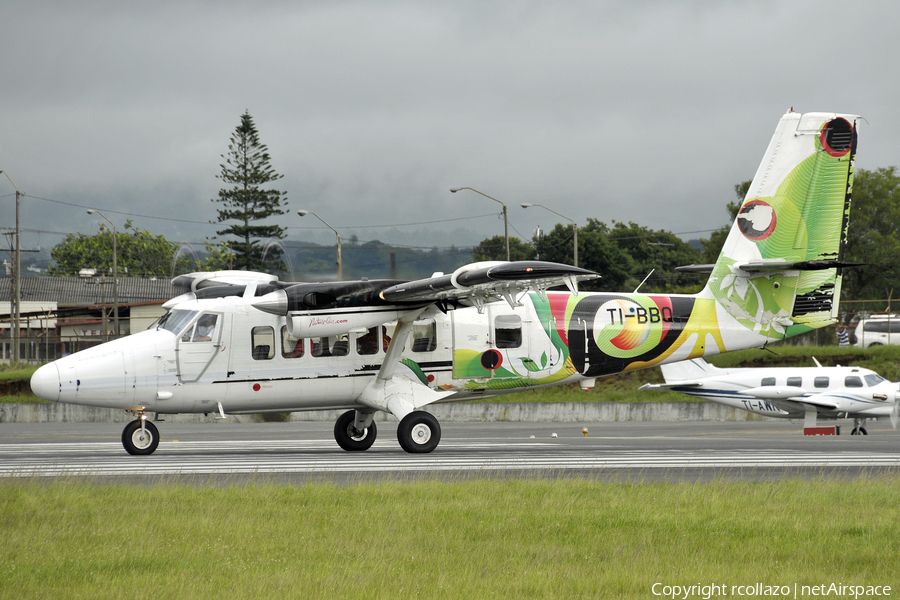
column 574, row 229
column 303, row 213
column 14, row 313
column 505, row 217
column 115, row 270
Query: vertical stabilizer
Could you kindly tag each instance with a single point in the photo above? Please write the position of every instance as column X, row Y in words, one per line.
column 779, row 272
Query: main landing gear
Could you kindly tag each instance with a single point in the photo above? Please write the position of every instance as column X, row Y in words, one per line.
column 858, row 428
column 140, row 437
column 354, row 437
column 418, row 433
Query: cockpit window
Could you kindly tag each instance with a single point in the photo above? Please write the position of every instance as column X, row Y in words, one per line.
column 852, row 381
column 174, row 321
column 874, row 379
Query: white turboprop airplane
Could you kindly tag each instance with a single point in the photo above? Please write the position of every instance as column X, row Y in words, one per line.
column 240, row 342
column 804, row 393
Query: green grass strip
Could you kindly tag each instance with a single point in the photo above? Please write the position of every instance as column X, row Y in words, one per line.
column 469, row 538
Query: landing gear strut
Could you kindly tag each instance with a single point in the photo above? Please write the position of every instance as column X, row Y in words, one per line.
column 352, row 438
column 140, row 437
column 858, row 428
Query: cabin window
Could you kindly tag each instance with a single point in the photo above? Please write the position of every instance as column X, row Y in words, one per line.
column 387, row 332
column 424, row 336
column 318, row 346
column 263, row 342
column 508, row 331
column 795, row 382
column 173, row 321
column 368, row 342
column 337, row 345
column 340, row 345
column 767, row 381
column 820, row 382
column 873, row 379
column 291, row 347
column 853, row 381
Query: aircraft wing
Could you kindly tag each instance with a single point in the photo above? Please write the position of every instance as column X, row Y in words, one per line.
column 479, row 283
column 474, row 284
column 819, row 401
column 776, row 392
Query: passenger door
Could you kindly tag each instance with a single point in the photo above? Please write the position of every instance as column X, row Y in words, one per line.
column 199, row 345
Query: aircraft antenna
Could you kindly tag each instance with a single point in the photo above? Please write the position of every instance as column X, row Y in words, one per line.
column 767, row 349
column 644, row 281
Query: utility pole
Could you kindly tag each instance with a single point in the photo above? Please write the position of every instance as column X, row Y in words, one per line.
column 115, row 279
column 15, row 301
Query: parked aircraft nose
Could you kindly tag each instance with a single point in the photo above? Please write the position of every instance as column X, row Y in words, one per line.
column 45, row 383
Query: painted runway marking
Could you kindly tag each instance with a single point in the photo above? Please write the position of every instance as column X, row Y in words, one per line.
column 322, row 456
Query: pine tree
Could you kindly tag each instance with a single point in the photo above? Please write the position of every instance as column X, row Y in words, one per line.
column 246, row 169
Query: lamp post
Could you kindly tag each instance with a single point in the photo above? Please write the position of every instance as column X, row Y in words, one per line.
column 303, row 213
column 115, row 270
column 14, row 312
column 505, row 216
column 574, row 229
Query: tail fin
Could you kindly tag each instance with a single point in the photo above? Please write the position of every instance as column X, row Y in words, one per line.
column 779, row 272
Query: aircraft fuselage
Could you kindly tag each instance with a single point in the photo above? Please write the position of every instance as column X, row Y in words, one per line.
column 252, row 363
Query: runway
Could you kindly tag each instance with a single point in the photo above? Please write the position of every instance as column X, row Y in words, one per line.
column 306, row 451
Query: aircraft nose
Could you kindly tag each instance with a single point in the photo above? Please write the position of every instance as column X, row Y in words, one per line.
column 45, row 383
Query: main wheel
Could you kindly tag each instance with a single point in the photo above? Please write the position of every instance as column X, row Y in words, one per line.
column 138, row 441
column 419, row 432
column 349, row 437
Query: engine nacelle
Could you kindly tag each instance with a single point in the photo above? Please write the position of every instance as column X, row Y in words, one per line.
column 336, row 322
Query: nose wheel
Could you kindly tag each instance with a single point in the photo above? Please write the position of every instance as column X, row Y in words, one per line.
column 140, row 437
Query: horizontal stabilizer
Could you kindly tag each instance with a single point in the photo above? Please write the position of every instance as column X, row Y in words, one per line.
column 775, row 265
column 669, row 386
column 806, row 265
column 680, row 373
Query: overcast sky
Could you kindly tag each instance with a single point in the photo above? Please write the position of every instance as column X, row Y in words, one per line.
column 629, row 111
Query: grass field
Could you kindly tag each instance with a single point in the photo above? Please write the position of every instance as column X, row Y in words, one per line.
column 471, row 538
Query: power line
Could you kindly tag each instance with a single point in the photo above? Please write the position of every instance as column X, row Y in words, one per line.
column 118, row 212
column 128, row 214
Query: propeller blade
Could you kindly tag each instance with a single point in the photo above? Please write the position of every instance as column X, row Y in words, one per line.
column 895, row 414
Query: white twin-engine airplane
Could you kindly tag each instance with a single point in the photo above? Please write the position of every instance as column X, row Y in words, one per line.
column 789, row 392
column 240, row 342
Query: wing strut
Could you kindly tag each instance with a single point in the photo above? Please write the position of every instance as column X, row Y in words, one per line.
column 395, row 348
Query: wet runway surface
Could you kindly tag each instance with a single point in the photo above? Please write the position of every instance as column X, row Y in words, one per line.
column 297, row 452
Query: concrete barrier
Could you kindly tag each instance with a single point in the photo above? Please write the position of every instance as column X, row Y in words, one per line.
column 461, row 412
